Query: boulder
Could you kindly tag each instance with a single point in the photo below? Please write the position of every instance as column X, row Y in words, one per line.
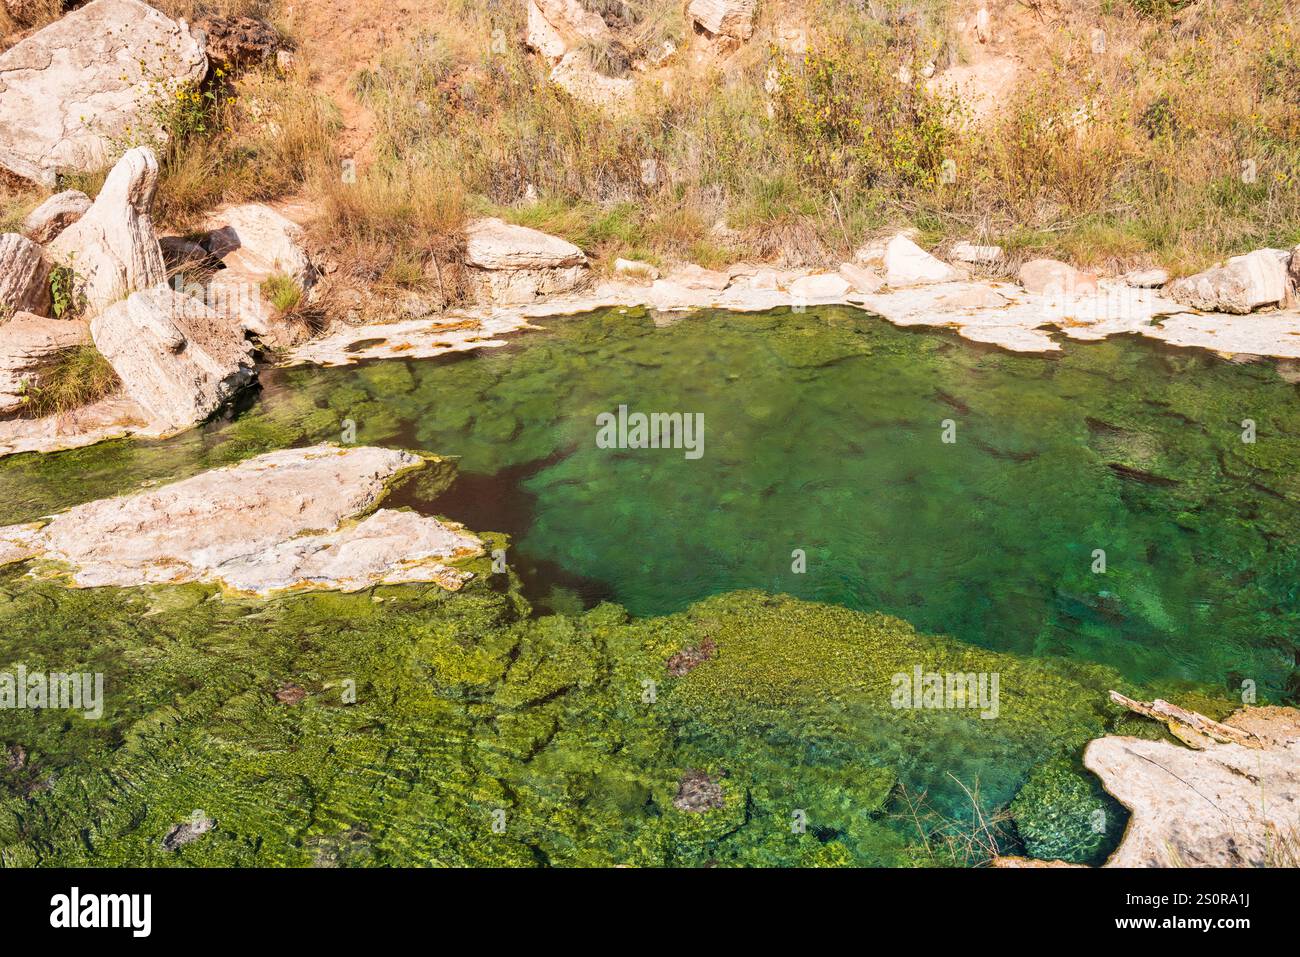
column 287, row 520
column 907, row 264
column 24, row 277
column 636, row 269
column 1224, row 805
column 178, row 359
column 1293, row 268
column 1051, row 277
column 253, row 242
column 965, row 252
column 692, row 276
column 728, row 18
column 112, row 250
column 557, row 26
column 1146, row 278
column 862, row 278
column 516, row 264
column 88, row 80
column 56, row 214
column 827, row 285
column 236, row 43
column 1240, row 285
column 574, row 75
column 29, row 345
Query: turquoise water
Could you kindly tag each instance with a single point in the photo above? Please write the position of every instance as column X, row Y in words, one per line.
column 823, row 432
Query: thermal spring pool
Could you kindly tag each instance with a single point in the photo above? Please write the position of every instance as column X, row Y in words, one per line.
column 868, row 501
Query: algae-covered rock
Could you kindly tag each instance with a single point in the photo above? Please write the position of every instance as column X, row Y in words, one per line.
column 1061, row 814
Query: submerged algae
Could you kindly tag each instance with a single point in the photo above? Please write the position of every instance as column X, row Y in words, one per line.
column 458, row 730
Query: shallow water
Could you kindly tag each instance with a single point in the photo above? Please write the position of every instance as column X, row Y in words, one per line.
column 824, row 432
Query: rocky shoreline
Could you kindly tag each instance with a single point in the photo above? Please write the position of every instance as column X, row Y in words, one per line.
column 284, row 521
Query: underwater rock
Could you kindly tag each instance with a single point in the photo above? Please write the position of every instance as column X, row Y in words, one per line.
column 699, row 792
column 280, row 521
column 1227, row 805
column 692, row 657
column 193, row 829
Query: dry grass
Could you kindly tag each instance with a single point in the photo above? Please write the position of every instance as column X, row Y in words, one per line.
column 80, row 375
column 33, row 14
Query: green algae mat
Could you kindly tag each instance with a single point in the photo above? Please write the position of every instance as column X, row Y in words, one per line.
column 688, row 660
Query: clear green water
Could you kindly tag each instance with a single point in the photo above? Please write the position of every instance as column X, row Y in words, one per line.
column 822, row 433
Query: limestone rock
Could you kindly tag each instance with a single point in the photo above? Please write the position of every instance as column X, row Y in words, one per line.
column 907, row 264
column 970, row 253
column 819, row 286
column 861, row 278
column 24, row 277
column 253, row 243
column 1241, row 285
column 71, row 89
column 636, row 269
column 1293, row 267
column 284, row 520
column 56, row 214
column 235, row 43
column 692, row 276
column 557, row 26
column 28, row 346
column 575, row 76
column 1146, row 278
column 112, row 250
column 178, row 359
column 515, row 264
column 1224, row 806
column 1051, row 277
column 728, row 18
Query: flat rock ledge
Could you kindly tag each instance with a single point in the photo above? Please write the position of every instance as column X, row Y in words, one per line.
column 1226, row 804
column 292, row 520
column 996, row 313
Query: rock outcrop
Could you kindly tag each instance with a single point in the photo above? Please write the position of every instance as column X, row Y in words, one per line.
column 820, row 287
column 29, row 345
column 112, row 250
column 557, row 26
column 1240, row 285
column 178, row 359
column 285, row 520
column 236, row 43
column 1228, row 804
column 515, row 264
column 68, row 91
column 56, row 214
column 254, row 243
column 727, row 18
column 1051, row 277
column 24, row 277
column 907, row 264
